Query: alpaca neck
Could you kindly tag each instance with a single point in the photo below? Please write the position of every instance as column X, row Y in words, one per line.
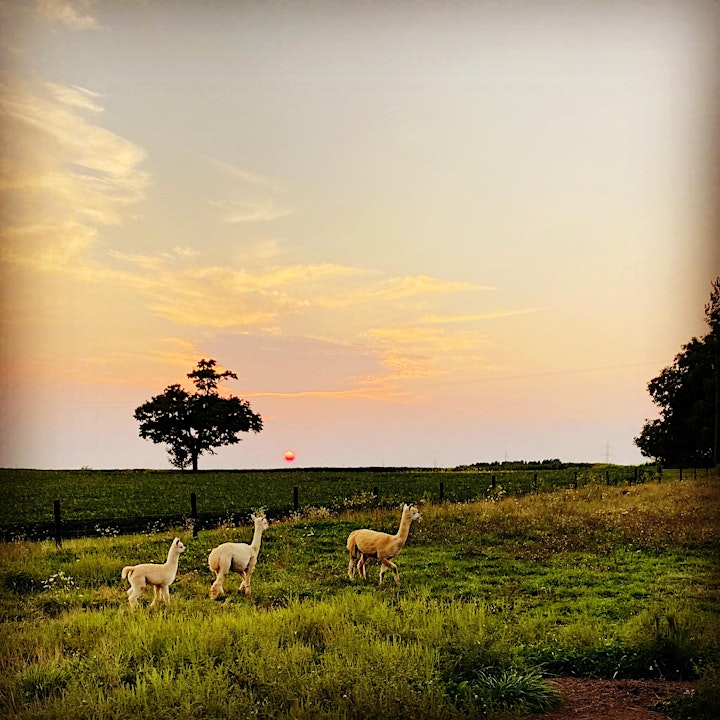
column 173, row 558
column 403, row 531
column 257, row 538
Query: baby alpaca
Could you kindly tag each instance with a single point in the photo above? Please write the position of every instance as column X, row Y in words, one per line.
column 380, row 545
column 160, row 577
column 238, row 557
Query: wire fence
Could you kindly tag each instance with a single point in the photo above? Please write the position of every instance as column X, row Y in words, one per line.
column 336, row 491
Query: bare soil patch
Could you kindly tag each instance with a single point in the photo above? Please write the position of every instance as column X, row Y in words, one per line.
column 585, row 699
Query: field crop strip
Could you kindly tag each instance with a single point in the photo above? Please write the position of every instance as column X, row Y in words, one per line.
column 92, row 502
column 600, row 581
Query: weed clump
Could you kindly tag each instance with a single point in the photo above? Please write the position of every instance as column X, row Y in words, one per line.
column 492, row 691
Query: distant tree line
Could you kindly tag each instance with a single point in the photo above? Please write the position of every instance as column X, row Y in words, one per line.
column 553, row 464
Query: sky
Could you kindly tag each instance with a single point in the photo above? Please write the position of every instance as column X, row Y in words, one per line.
column 421, row 233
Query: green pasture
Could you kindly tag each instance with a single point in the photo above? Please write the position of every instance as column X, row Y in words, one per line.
column 496, row 597
column 100, row 500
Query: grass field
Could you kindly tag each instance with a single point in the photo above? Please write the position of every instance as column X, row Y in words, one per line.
column 93, row 501
column 496, row 597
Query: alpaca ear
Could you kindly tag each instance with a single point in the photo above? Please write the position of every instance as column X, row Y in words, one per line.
column 252, row 517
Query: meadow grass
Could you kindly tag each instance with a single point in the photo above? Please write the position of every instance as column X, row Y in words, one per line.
column 496, row 597
column 105, row 501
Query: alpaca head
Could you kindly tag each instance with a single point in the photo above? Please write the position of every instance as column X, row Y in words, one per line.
column 413, row 512
column 260, row 521
column 178, row 546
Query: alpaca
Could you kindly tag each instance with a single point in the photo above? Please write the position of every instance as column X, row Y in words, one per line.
column 382, row 546
column 238, row 557
column 160, row 577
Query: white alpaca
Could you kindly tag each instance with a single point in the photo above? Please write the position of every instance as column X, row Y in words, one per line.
column 236, row 557
column 160, row 577
column 379, row 545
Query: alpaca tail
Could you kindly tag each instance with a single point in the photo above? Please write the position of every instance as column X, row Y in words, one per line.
column 352, row 546
column 127, row 571
column 213, row 563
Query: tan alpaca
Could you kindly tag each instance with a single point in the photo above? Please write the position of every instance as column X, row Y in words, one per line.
column 160, row 577
column 236, row 557
column 379, row 545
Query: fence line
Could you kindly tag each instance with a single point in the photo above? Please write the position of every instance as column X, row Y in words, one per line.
column 60, row 528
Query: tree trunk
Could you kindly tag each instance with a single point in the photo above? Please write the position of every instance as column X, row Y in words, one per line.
column 194, row 462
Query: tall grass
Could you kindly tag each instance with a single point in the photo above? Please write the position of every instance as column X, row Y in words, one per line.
column 495, row 597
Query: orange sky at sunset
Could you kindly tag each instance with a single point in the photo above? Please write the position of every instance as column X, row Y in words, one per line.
column 421, row 233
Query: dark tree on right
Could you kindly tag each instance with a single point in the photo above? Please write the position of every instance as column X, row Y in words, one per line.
column 686, row 393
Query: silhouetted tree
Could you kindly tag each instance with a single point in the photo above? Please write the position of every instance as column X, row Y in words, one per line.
column 191, row 424
column 686, row 433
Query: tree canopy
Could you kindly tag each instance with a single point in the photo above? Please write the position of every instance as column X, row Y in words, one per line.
column 192, row 424
column 686, row 433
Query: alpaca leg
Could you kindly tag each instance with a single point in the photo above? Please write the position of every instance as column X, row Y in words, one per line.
column 351, row 568
column 361, row 567
column 156, row 595
column 217, row 588
column 364, row 567
column 385, row 565
column 165, row 594
column 134, row 593
column 245, row 585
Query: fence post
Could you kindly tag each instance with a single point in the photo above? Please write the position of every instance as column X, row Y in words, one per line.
column 535, row 483
column 442, row 491
column 575, row 479
column 492, row 482
column 58, row 529
column 296, row 499
column 680, row 478
column 376, row 495
column 193, row 513
column 607, row 476
column 636, row 475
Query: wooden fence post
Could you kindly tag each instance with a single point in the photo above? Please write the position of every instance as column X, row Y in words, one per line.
column 442, row 491
column 296, row 499
column 680, row 478
column 376, row 495
column 607, row 477
column 492, row 482
column 58, row 529
column 535, row 483
column 193, row 513
column 575, row 479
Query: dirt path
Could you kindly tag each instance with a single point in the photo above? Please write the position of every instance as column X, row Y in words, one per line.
column 613, row 699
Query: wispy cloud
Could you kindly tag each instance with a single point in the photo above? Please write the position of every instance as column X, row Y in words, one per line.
column 356, row 393
column 248, row 197
column 76, row 177
column 63, row 176
column 249, row 210
column 74, row 14
column 408, row 286
column 75, row 96
column 220, row 297
column 421, row 338
column 378, row 290
column 435, row 319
